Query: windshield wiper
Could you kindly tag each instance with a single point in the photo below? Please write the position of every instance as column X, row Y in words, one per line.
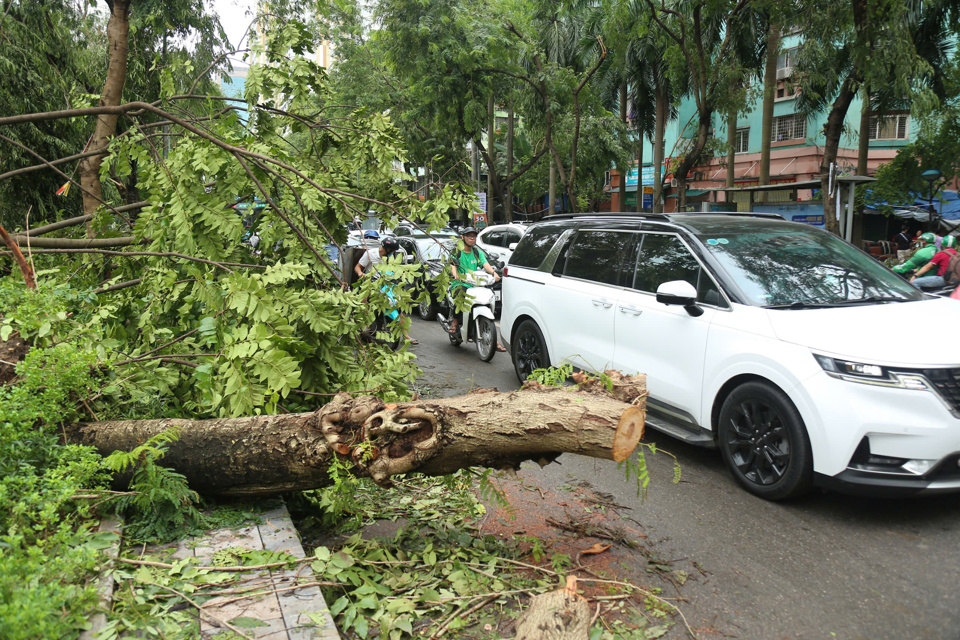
column 799, row 304
column 871, row 299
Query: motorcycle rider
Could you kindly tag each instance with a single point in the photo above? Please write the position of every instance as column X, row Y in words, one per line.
column 940, row 260
column 388, row 246
column 466, row 260
column 922, row 255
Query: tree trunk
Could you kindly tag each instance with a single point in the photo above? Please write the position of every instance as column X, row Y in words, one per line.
column 557, row 615
column 493, row 194
column 660, row 126
column 508, row 204
column 89, row 167
column 623, row 171
column 264, row 455
column 769, row 93
column 692, row 157
column 863, row 151
column 832, row 130
column 731, row 147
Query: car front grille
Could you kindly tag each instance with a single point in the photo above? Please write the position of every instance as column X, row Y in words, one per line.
column 946, row 382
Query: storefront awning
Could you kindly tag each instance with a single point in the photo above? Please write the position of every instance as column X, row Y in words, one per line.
column 692, row 193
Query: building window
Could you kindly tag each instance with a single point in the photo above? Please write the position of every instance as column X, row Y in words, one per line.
column 743, row 140
column 892, row 127
column 787, row 58
column 792, row 127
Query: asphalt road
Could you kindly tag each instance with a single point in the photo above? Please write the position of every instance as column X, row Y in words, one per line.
column 826, row 566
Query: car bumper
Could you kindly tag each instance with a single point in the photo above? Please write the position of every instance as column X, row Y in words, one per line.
column 869, row 439
column 945, row 478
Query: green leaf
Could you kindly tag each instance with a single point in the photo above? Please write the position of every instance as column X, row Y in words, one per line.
column 247, row 623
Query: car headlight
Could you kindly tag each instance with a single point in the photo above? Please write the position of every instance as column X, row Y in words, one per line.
column 845, row 367
column 874, row 374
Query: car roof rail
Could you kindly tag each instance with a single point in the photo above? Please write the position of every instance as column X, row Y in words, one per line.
column 606, row 214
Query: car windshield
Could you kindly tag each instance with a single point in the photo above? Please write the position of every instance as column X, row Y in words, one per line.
column 432, row 249
column 783, row 264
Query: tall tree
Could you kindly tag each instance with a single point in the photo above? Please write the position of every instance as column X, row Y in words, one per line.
column 715, row 44
column 50, row 61
column 852, row 43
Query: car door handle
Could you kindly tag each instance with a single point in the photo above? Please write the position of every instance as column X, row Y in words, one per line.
column 606, row 304
column 632, row 310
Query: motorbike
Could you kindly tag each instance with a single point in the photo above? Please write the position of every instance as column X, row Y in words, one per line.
column 478, row 319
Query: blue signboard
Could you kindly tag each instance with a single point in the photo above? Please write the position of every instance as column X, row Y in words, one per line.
column 646, row 176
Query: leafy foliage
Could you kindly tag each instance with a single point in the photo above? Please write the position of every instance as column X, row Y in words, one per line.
column 160, row 504
column 48, row 554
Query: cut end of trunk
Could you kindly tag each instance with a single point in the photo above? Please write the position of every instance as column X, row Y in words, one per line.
column 629, row 433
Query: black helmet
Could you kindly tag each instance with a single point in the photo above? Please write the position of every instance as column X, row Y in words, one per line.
column 467, row 230
column 390, row 244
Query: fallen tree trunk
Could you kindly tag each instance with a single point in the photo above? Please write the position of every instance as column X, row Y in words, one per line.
column 270, row 454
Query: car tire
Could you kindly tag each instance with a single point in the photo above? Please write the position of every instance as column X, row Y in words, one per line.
column 764, row 442
column 529, row 350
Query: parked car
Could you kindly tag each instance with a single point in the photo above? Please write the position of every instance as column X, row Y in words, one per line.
column 499, row 238
column 803, row 359
column 407, row 229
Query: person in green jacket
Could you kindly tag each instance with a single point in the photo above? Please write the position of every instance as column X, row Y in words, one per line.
column 921, row 256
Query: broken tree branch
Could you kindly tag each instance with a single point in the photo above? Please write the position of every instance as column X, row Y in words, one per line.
column 262, row 455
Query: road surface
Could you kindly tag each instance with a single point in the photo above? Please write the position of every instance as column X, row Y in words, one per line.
column 826, row 566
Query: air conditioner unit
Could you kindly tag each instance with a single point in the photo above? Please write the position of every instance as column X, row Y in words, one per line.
column 673, row 182
column 784, row 72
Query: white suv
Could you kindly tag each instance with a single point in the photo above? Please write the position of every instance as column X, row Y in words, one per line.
column 802, row 358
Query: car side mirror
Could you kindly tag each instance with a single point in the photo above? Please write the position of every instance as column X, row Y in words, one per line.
column 682, row 293
column 513, row 246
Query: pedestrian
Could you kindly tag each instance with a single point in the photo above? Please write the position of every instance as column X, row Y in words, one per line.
column 940, row 260
column 903, row 242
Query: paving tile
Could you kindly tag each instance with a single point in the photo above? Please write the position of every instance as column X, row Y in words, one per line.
column 263, row 608
column 246, row 537
column 274, row 630
column 278, row 534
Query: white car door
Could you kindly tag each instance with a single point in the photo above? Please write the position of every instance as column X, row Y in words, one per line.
column 579, row 302
column 665, row 341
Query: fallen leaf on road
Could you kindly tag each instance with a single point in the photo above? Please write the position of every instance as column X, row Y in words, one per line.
column 597, row 548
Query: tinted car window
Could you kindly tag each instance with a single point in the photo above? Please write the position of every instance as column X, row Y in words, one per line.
column 597, row 256
column 509, row 237
column 494, row 238
column 536, row 244
column 664, row 258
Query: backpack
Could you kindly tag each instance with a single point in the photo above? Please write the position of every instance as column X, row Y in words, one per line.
column 952, row 275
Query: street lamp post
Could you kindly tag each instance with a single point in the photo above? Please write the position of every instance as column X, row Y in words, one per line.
column 931, row 176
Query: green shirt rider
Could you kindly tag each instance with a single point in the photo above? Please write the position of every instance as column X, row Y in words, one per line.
column 463, row 261
column 922, row 255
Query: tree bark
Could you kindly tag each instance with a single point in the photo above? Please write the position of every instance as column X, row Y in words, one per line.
column 731, row 147
column 863, row 150
column 264, row 455
column 89, row 168
column 556, row 615
column 508, row 198
column 624, row 170
column 661, row 113
column 769, row 91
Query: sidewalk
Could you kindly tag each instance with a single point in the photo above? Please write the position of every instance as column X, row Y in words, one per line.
column 285, row 609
